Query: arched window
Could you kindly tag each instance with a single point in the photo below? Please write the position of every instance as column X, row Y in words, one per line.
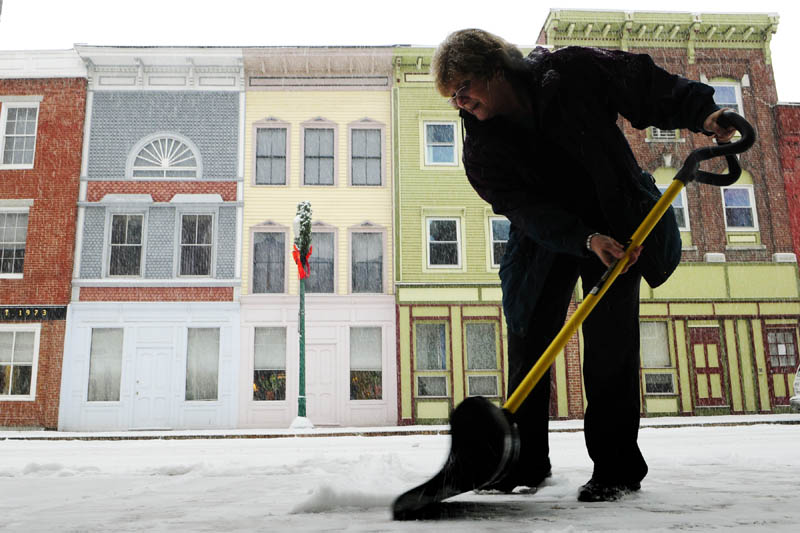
column 164, row 156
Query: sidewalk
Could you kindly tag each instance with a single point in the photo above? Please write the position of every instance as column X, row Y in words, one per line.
column 555, row 426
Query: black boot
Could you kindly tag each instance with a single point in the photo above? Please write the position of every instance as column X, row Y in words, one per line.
column 599, row 491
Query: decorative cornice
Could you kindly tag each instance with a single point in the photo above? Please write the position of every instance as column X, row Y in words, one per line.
column 642, row 29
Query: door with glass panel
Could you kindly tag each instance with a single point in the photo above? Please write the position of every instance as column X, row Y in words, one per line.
column 707, row 358
column 781, row 349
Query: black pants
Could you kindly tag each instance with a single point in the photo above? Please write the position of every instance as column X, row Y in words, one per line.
column 610, row 372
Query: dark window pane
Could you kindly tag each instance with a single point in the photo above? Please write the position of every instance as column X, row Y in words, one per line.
column 431, row 386
column 366, row 385
column 269, row 385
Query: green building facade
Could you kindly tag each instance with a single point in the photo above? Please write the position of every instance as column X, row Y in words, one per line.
column 720, row 337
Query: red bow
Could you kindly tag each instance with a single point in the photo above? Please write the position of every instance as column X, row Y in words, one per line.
column 302, row 272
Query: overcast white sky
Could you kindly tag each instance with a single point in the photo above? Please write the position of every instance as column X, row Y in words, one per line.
column 58, row 24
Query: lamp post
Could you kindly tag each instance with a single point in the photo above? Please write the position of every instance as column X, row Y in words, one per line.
column 301, row 252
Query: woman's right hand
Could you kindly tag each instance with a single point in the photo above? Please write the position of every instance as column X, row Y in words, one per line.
column 609, row 250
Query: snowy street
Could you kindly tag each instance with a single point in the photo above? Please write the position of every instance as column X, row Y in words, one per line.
column 739, row 478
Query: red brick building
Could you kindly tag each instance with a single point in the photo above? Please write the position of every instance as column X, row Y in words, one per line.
column 42, row 110
column 721, row 335
column 787, row 124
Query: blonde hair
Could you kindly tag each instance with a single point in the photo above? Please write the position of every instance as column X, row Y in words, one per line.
column 469, row 54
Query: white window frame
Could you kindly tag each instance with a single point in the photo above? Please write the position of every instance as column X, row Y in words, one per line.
column 321, row 227
column 367, row 228
column 285, row 364
column 178, row 245
column 454, row 125
column 366, row 124
column 663, row 370
column 270, row 228
column 138, row 147
column 737, row 89
column 684, row 205
column 16, row 209
column 494, row 262
column 436, row 373
column 751, row 194
column 483, row 372
column 319, row 124
column 665, row 136
column 122, row 366
column 428, row 220
column 36, row 328
column 7, row 103
column 268, row 124
column 219, row 365
column 110, row 213
column 382, row 359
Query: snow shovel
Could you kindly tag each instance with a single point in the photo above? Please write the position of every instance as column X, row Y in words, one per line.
column 484, row 440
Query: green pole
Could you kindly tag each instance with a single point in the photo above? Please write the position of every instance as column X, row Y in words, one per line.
column 301, row 326
column 302, row 242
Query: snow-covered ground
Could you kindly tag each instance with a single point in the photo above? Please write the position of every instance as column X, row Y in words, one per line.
column 702, row 478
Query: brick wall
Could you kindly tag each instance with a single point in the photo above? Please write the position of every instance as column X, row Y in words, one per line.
column 787, row 122
column 53, row 186
column 156, row 294
column 761, row 161
column 161, row 191
column 43, row 411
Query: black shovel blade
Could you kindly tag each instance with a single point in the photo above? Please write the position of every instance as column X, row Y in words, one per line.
column 484, row 444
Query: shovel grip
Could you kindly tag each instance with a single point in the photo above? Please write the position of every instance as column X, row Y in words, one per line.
column 691, row 168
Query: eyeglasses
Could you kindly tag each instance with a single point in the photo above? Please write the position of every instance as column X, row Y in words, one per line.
column 454, row 100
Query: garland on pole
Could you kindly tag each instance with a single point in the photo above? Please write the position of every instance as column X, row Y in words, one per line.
column 302, row 241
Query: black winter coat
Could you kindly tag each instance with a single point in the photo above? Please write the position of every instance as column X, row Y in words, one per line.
column 568, row 171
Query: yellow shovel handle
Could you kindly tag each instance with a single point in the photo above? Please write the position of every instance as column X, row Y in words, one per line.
column 591, row 299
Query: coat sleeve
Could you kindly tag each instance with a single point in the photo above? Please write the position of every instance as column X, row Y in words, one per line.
column 642, row 92
column 537, row 215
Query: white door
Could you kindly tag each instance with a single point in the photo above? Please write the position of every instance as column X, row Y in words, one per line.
column 151, row 399
column 321, row 398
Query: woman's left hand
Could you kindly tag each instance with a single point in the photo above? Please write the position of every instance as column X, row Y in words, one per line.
column 722, row 135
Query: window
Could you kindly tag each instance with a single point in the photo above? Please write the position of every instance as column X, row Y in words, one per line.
column 269, row 364
column 269, row 262
column 654, row 347
column 271, row 156
column 13, row 234
column 500, row 228
column 18, row 125
column 367, row 262
column 165, row 157
column 318, row 156
column 365, row 159
column 440, row 143
column 728, row 94
column 202, row 364
column 680, row 208
column 321, row 278
column 196, row 242
column 782, row 349
column 18, row 353
column 481, row 343
column 366, row 367
column 431, row 359
column 126, row 245
column 657, row 134
column 739, row 204
column 105, row 365
column 443, row 242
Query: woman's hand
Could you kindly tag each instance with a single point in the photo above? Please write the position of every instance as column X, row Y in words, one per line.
column 609, row 250
column 722, row 135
